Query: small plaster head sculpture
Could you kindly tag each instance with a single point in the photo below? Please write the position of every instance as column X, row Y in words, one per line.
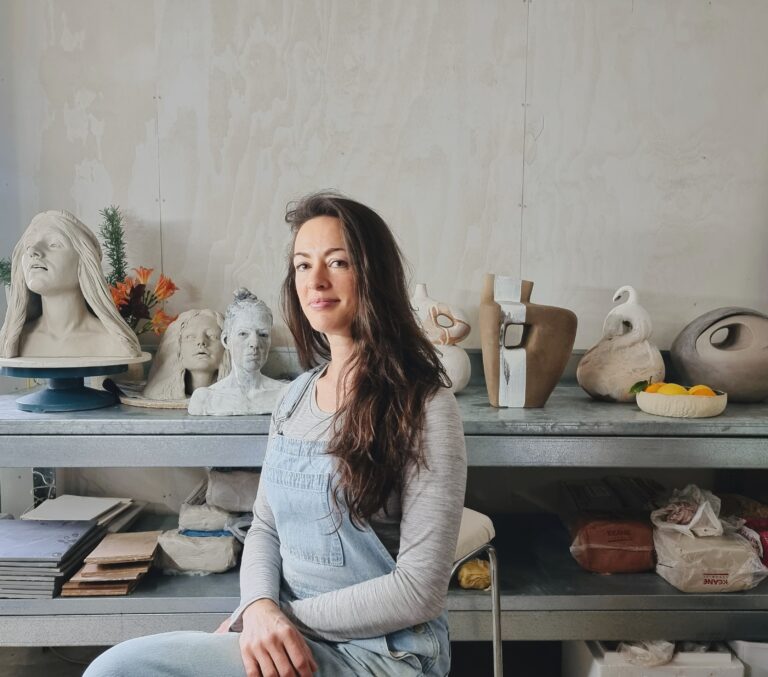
column 247, row 338
column 190, row 355
column 247, row 332
column 57, row 278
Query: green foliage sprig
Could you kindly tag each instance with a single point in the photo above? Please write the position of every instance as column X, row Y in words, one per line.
column 113, row 235
column 5, row 272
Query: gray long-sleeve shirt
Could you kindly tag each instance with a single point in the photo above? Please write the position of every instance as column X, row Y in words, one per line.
column 420, row 532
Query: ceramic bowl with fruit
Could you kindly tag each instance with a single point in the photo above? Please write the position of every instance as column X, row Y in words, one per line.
column 671, row 399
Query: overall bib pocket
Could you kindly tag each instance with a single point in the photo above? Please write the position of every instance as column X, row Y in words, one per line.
column 303, row 516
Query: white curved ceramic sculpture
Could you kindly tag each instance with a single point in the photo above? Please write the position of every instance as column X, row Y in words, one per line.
column 59, row 304
column 247, row 338
column 445, row 327
column 190, row 356
column 624, row 355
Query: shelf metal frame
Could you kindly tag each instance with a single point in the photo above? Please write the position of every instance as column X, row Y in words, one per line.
column 572, row 431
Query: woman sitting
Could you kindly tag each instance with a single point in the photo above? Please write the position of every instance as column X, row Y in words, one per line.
column 345, row 570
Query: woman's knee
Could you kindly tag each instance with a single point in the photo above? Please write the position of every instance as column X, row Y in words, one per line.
column 171, row 654
column 116, row 661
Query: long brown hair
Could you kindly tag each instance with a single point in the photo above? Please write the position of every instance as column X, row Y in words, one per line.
column 394, row 369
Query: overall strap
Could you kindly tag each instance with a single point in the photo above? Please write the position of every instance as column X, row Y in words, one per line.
column 293, row 396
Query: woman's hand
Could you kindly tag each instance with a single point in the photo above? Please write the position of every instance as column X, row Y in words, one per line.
column 270, row 644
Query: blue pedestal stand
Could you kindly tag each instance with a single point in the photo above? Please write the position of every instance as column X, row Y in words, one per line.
column 65, row 390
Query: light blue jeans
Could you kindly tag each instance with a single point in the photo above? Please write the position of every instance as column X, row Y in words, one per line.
column 203, row 654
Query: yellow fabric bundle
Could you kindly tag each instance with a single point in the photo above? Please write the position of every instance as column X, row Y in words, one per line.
column 475, row 574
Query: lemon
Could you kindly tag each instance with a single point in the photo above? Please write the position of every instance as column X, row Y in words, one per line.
column 701, row 391
column 672, row 389
column 654, row 387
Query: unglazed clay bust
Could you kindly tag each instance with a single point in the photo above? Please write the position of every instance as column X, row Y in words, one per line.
column 725, row 349
column 190, row 356
column 525, row 374
column 247, row 337
column 59, row 303
column 445, row 327
column 624, row 355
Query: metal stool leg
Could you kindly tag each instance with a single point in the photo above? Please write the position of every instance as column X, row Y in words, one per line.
column 498, row 664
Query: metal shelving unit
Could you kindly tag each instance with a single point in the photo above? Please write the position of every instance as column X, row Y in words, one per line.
column 545, row 594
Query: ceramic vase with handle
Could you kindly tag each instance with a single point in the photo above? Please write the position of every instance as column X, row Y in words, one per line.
column 525, row 345
column 726, row 349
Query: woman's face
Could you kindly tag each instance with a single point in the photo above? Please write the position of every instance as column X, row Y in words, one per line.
column 325, row 281
column 201, row 348
column 249, row 339
column 49, row 262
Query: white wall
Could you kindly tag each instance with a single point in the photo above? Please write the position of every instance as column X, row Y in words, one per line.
column 584, row 145
column 633, row 133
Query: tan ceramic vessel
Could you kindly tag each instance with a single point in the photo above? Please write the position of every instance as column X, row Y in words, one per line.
column 548, row 336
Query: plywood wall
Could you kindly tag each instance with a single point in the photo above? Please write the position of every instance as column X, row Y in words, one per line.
column 584, row 144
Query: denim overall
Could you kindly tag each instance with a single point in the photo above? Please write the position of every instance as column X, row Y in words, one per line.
column 318, row 557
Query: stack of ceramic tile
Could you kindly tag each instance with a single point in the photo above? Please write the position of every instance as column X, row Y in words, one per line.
column 37, row 556
column 115, row 566
column 115, row 514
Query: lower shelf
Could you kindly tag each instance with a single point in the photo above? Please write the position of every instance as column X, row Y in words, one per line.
column 545, row 596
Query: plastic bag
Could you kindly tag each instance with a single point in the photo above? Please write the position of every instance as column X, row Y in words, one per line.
column 696, row 647
column 690, row 511
column 649, row 654
column 195, row 556
column 232, row 491
column 724, row 563
column 608, row 522
column 612, row 546
column 758, row 528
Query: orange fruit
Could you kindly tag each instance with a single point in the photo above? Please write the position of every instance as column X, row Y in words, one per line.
column 653, row 387
column 701, row 391
column 672, row 389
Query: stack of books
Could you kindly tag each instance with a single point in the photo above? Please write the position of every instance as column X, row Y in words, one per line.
column 115, row 566
column 37, row 556
column 114, row 514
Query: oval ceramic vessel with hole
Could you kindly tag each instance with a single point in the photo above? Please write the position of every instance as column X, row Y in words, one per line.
column 682, row 406
column 727, row 349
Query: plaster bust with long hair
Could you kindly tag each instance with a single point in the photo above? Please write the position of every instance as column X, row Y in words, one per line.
column 173, row 376
column 59, row 304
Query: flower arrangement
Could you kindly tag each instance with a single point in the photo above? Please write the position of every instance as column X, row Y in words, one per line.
column 132, row 295
column 135, row 301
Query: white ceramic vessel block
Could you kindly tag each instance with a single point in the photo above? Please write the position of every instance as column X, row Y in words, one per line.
column 507, row 292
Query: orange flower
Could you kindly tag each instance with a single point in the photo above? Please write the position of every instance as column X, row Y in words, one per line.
column 142, row 274
column 164, row 288
column 160, row 321
column 121, row 292
column 117, row 296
